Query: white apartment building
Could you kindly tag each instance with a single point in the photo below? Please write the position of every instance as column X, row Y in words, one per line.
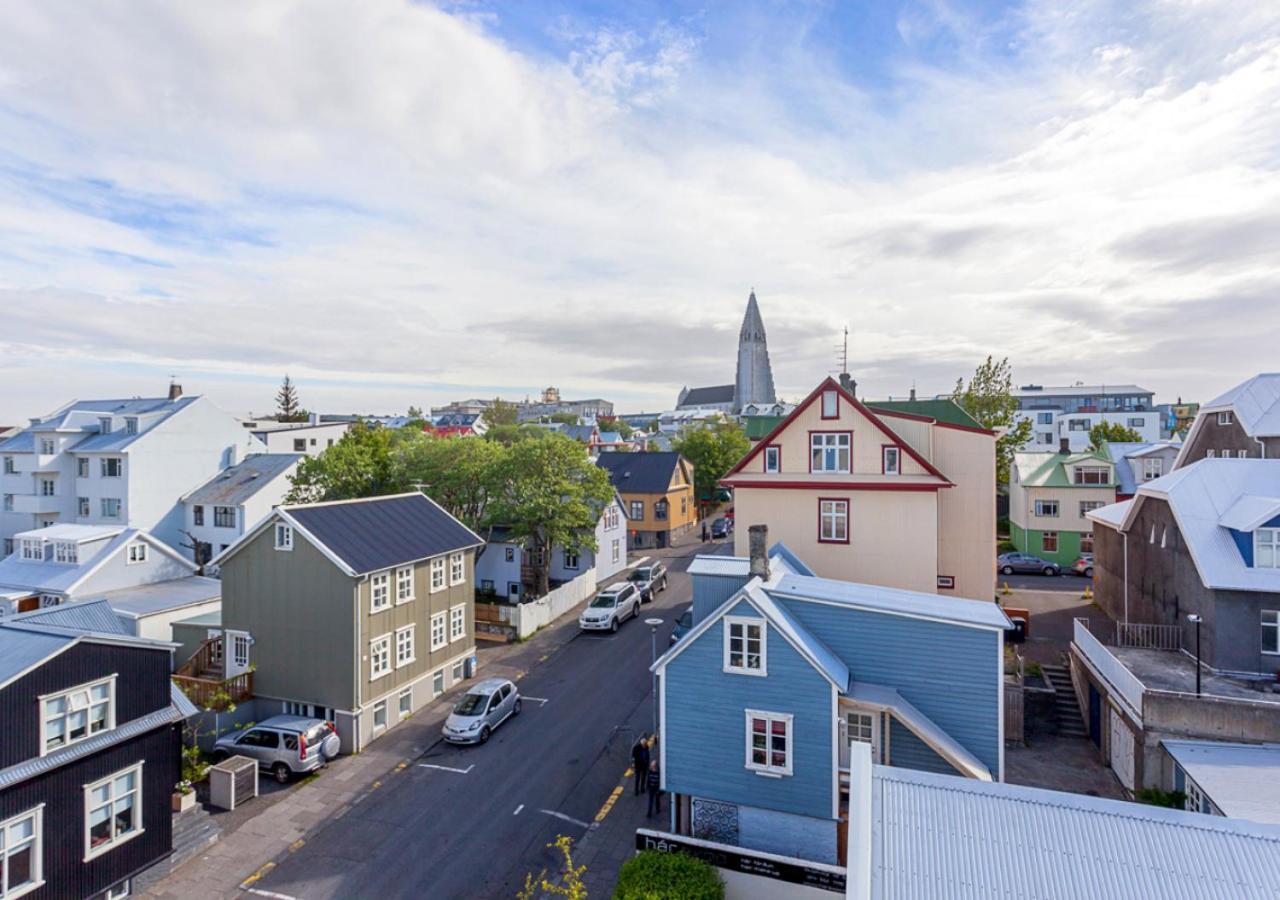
column 123, row 463
column 1071, row 411
column 311, row 438
column 237, row 498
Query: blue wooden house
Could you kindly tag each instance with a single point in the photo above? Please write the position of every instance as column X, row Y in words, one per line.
column 760, row 700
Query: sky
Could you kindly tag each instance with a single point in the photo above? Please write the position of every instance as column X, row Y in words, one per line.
column 405, row 203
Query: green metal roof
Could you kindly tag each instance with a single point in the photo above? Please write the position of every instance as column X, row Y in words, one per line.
column 944, row 410
column 1048, row 469
column 756, row 427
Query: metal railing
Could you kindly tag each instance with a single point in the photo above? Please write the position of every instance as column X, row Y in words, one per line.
column 1150, row 637
column 1127, row 685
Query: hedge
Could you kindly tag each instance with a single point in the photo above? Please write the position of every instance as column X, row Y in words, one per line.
column 663, row 876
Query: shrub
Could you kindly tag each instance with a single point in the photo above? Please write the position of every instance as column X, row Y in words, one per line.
column 1005, row 547
column 660, row 876
column 1157, row 797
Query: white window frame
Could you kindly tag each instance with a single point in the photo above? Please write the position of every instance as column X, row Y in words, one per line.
column 833, row 511
column 1267, row 538
column 457, row 622
column 439, row 631
column 48, row 446
column 830, row 404
column 1152, row 468
column 438, row 582
column 1194, row 801
column 840, row 442
column 69, row 695
column 84, row 509
column 120, row 890
column 106, row 514
column 284, row 536
column 379, row 708
column 1056, row 544
column 404, row 584
column 1078, row 475
column 1225, row 418
column 380, row 591
column 1271, row 621
column 9, row 467
column 731, row 623
column 119, row 466
column 617, row 550
column 1042, row 507
column 894, row 453
column 457, row 569
column 48, row 487
column 139, row 826
column 437, row 683
column 405, row 643
column 405, row 694
column 380, row 657
column 572, row 560
column 66, row 552
column 789, row 752
column 1088, row 506
column 82, row 467
column 136, row 553
column 772, row 459
column 1210, row 453
column 36, row 842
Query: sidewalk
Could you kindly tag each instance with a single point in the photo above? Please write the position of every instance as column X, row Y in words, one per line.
column 280, row 823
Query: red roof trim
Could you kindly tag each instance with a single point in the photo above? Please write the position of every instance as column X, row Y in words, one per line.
column 837, row 485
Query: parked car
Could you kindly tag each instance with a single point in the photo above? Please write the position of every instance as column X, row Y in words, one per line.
column 610, row 607
column 283, row 745
column 684, row 624
column 649, row 579
column 721, row 528
column 1009, row 563
column 485, row 706
column 1083, row 565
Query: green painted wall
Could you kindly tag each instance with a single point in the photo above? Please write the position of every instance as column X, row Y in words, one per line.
column 1030, row 541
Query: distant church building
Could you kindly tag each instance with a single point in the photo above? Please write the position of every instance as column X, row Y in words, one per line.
column 752, row 392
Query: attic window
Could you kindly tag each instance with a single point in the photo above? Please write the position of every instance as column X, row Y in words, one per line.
column 1225, row 418
column 137, row 553
column 830, row 405
column 1266, row 548
column 284, row 536
column 744, row 646
column 104, row 424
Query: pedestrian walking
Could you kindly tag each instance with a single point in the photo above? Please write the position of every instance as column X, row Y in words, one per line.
column 640, row 762
column 706, row 535
column 655, row 790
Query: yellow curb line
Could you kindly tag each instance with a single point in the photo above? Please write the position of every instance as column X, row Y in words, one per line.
column 608, row 804
column 296, row 845
column 257, row 875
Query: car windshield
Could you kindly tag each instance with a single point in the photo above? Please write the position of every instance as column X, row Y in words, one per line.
column 639, row 575
column 471, row 705
column 605, row 601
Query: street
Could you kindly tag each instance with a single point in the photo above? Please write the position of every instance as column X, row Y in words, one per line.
column 472, row 821
column 1068, row 582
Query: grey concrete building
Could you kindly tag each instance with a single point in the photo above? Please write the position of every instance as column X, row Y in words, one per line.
column 753, row 381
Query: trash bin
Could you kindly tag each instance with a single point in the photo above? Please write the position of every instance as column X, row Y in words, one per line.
column 469, row 666
column 1021, row 619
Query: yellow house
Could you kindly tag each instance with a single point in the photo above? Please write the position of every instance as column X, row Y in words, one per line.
column 900, row 494
column 657, row 495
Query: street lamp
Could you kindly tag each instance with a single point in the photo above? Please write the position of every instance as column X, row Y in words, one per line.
column 1197, row 620
column 653, row 624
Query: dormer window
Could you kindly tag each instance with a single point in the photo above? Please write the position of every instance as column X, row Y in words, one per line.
column 1152, row 468
column 1266, row 548
column 137, row 553
column 76, row 715
column 1092, row 475
column 47, row 446
column 830, row 405
column 104, row 425
column 131, row 425
column 1225, row 418
column 284, row 536
column 890, row 459
column 32, row 549
column 744, row 646
column 66, row 552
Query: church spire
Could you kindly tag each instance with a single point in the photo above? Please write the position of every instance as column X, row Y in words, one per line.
column 754, row 383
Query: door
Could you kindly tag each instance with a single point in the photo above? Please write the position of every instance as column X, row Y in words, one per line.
column 259, row 743
column 493, row 714
column 1122, row 750
column 862, row 726
column 236, row 649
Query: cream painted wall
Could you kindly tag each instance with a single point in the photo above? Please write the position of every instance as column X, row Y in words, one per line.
column 867, row 441
column 967, row 512
column 1068, row 518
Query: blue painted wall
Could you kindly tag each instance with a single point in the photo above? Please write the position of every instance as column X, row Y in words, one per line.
column 705, row 728
column 951, row 673
column 1244, row 540
column 787, row 834
column 909, row 752
column 711, row 591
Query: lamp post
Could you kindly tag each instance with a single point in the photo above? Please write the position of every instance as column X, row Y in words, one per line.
column 653, row 624
column 1197, row 620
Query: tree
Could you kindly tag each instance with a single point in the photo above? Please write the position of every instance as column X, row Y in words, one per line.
column 501, row 413
column 287, row 409
column 550, row 495
column 713, row 450
column 359, row 465
column 1111, row 432
column 563, row 418
column 459, row 473
column 989, row 399
column 415, row 412
column 613, row 423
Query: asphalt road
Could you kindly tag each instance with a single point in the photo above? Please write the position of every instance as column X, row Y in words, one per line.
column 472, row 821
column 1068, row 581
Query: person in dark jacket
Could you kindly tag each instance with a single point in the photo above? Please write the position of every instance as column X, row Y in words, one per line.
column 654, row 784
column 640, row 762
column 706, row 535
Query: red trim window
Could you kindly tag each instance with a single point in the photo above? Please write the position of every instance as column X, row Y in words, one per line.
column 830, row 404
column 890, row 459
column 833, row 521
column 946, row 582
column 830, row 451
column 772, row 459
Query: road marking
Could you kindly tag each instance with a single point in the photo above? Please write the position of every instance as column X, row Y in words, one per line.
column 277, row 896
column 245, row 885
column 608, row 804
column 296, row 845
column 447, row 768
column 518, row 808
column 404, row 764
column 630, row 771
column 540, row 700
column 560, row 815
column 544, row 657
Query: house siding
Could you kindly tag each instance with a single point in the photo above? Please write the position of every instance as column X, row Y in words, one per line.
column 785, row 834
column 1212, row 436
column 710, row 592
column 909, row 752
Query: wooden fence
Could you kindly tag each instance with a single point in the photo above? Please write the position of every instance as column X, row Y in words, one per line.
column 1013, row 713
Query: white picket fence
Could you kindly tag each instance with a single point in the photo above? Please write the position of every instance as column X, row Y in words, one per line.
column 526, row 618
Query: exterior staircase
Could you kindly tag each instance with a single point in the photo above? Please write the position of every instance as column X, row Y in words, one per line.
column 1066, row 707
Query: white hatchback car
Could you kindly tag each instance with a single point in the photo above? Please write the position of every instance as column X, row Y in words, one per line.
column 611, row 607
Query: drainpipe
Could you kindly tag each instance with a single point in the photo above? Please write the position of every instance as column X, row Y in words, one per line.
column 1126, row 576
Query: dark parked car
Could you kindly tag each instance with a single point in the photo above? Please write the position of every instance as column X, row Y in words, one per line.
column 683, row 625
column 1083, row 565
column 1009, row 563
column 721, row 528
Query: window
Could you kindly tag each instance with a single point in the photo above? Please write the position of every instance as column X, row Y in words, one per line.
column 240, row 650
column 137, row 553
column 1194, row 801
column 457, row 568
column 8, row 547
column 1271, row 632
column 947, row 582
column 438, row 638
column 32, row 548
column 684, row 505
column 829, row 451
column 437, row 683
column 660, row 509
column 1137, row 422
column 437, row 574
column 1266, row 548
column 773, row 459
column 21, row 854
column 379, row 591
column 744, row 646
column 110, row 507
column 457, row 672
column 1049, row 541
column 1152, row 468
column 1225, row 418
column 47, row 487
column 8, row 503
column 1088, row 506
column 197, row 514
column 833, row 521
column 112, row 466
column 1164, row 537
column 406, row 703
column 113, row 811
column 1077, row 425
column 48, row 447
column 1086, row 542
column 284, row 536
column 379, row 657
column 11, row 469
column 1047, row 509
column 66, row 551
column 889, row 460
column 830, row 405
column 380, row 715
column 1044, row 418
column 313, row 442
column 404, row 584
column 404, row 646
column 571, row 559
column 224, row 517
column 1092, row 475
column 510, row 554
column 769, row 742
column 75, row 715
column 1210, row 453
column 617, row 550
column 131, row 425
column 457, row 622
column 299, row 445
column 1044, row 438
column 82, row 467
column 82, row 507
column 1152, row 538
column 861, row 727
column 104, row 424
column 637, row 509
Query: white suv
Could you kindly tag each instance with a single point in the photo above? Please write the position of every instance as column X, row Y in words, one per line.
column 610, row 607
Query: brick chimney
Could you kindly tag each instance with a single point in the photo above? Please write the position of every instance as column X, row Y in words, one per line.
column 758, row 544
column 175, row 390
column 847, row 382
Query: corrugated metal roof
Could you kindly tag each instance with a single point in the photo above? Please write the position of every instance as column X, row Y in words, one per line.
column 944, row 409
column 21, row 649
column 1249, row 511
column 1123, row 454
column 720, row 393
column 181, row 702
column 820, row 654
column 942, row 837
column 896, row 601
column 236, row 484
column 1256, row 404
column 1112, row 514
column 729, row 566
column 164, row 596
column 81, row 615
column 1242, row 780
column 54, row 577
column 1046, row 468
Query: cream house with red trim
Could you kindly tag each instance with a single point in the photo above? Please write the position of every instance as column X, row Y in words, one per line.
column 902, row 497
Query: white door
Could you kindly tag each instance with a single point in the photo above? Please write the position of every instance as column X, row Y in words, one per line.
column 859, row 725
column 236, row 650
column 1122, row 748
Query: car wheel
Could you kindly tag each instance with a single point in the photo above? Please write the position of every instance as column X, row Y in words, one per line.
column 613, row 626
column 1048, row 570
column 281, row 773
column 515, row 710
column 1088, row 572
column 1007, row 570
column 484, row 734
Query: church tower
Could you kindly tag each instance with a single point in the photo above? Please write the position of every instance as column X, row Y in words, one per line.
column 754, row 383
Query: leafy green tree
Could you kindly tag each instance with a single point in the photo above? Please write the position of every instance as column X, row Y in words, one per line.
column 415, row 412
column 550, row 495
column 501, row 413
column 563, row 418
column 287, row 408
column 457, row 472
column 1111, row 432
column 989, row 399
column 359, row 465
column 510, row 434
column 613, row 423
column 650, row 875
column 713, row 450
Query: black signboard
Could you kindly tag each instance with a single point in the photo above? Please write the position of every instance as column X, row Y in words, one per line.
column 737, row 859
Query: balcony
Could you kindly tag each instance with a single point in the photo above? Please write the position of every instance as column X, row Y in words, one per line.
column 203, row 678
column 36, row 504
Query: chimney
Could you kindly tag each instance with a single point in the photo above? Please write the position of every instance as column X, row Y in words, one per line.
column 847, row 382
column 313, row 418
column 913, row 392
column 175, row 390
column 1064, row 446
column 758, row 542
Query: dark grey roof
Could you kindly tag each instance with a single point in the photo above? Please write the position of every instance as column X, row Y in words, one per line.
column 701, row 396
column 368, row 535
column 235, row 485
column 643, row 472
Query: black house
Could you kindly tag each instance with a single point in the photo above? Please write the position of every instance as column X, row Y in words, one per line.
column 89, row 753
